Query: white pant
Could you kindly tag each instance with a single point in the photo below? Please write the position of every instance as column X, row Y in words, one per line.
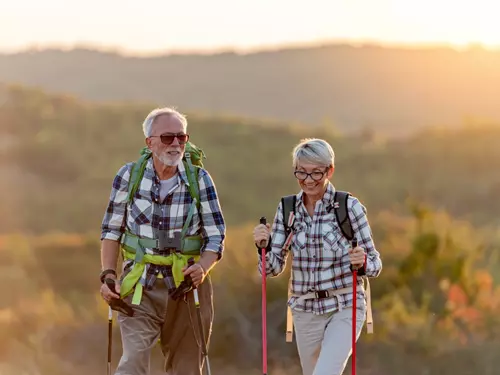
column 324, row 342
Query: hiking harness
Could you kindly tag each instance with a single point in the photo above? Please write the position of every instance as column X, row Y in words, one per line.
column 341, row 214
column 133, row 246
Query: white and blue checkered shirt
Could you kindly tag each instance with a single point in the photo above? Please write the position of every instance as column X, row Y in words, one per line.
column 146, row 215
column 320, row 252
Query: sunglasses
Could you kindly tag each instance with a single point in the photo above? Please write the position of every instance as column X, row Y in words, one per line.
column 167, row 139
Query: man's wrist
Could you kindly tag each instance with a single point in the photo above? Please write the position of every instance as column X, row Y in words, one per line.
column 107, row 273
column 208, row 260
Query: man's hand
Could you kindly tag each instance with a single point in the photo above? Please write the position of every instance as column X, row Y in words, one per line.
column 357, row 257
column 108, row 294
column 199, row 271
column 196, row 272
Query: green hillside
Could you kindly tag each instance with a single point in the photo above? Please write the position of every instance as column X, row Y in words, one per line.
column 59, row 156
column 435, row 304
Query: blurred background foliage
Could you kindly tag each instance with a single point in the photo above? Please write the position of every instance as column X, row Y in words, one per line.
column 431, row 199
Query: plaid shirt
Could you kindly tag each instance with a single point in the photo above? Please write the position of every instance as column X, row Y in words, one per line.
column 320, row 252
column 146, row 215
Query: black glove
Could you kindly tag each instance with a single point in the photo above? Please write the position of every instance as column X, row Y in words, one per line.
column 361, row 270
column 268, row 248
column 116, row 303
column 185, row 286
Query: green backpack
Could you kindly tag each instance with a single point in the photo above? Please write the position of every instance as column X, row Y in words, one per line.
column 192, row 160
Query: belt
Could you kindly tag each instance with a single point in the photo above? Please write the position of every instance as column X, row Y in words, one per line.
column 325, row 294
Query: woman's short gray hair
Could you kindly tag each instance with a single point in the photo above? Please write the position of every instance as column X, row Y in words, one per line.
column 150, row 119
column 314, row 151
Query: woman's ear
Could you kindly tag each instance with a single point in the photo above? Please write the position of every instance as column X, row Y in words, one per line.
column 331, row 169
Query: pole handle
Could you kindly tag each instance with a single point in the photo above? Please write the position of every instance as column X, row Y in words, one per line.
column 354, row 244
column 263, row 221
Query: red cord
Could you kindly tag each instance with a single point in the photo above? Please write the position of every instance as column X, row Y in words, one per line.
column 264, row 317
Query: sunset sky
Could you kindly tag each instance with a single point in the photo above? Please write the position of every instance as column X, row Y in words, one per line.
column 156, row 26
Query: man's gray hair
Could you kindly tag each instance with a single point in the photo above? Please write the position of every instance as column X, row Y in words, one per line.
column 150, row 118
column 314, row 151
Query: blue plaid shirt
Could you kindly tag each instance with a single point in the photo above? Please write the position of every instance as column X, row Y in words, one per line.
column 146, row 215
column 320, row 258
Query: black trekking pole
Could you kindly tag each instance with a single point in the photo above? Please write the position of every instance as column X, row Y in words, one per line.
column 200, row 323
column 110, row 338
column 119, row 305
column 264, row 306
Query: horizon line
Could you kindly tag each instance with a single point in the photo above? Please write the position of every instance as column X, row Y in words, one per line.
column 355, row 43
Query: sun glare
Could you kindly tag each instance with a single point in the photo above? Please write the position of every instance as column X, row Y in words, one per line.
column 449, row 21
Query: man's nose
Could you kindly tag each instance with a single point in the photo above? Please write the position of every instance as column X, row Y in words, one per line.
column 175, row 142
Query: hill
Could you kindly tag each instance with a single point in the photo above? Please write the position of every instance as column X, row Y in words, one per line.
column 435, row 305
column 58, row 156
column 391, row 90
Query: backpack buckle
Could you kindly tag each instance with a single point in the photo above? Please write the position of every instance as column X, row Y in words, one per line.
column 321, row 294
column 169, row 243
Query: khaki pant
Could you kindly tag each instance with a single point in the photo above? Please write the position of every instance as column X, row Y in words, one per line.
column 174, row 322
column 324, row 342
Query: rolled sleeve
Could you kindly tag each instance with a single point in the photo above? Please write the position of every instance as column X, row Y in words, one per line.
column 276, row 258
column 361, row 226
column 113, row 223
column 213, row 226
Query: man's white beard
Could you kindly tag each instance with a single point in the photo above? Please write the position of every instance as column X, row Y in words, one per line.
column 169, row 160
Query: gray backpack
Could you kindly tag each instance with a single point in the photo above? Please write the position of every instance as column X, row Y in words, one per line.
column 341, row 212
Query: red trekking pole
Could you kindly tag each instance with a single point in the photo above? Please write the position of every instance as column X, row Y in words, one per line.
column 264, row 308
column 354, row 244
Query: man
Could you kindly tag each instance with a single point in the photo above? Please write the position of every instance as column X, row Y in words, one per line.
column 156, row 226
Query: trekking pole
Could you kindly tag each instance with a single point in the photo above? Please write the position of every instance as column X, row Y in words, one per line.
column 200, row 323
column 264, row 307
column 110, row 338
column 354, row 244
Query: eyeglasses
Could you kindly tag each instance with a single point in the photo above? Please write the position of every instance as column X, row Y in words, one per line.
column 316, row 175
column 167, row 139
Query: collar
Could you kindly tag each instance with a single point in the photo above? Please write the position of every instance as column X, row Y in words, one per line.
column 327, row 199
column 150, row 172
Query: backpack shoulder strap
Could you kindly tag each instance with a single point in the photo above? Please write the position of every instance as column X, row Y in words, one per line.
column 136, row 173
column 192, row 176
column 288, row 204
column 342, row 213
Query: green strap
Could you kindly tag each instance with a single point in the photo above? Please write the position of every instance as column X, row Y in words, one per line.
column 188, row 219
column 130, row 281
column 191, row 245
column 133, row 245
column 133, row 241
column 137, row 172
column 192, row 178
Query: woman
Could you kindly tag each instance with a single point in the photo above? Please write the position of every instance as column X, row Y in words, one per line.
column 322, row 261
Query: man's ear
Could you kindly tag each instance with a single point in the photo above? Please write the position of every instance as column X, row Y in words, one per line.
column 148, row 142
